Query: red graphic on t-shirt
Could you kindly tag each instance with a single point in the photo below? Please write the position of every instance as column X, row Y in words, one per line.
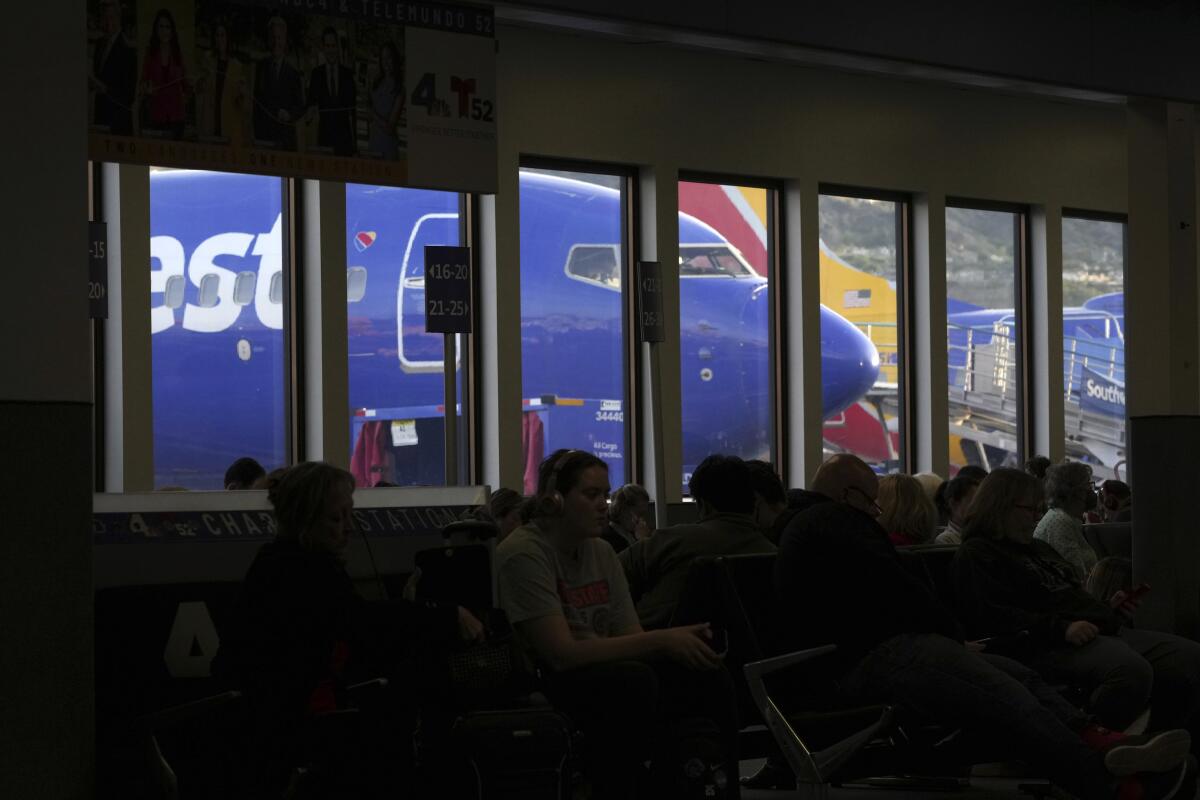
column 590, row 594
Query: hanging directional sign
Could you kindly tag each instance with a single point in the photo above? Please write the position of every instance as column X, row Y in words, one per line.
column 650, row 301
column 97, row 270
column 447, row 289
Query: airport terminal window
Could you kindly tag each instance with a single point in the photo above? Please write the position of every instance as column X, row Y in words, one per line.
column 983, row 348
column 573, row 345
column 725, row 257
column 861, row 252
column 1093, row 287
column 396, row 379
column 216, row 256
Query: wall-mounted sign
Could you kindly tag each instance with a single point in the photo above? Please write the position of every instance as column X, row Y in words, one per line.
column 650, row 302
column 97, row 270
column 447, row 289
column 371, row 91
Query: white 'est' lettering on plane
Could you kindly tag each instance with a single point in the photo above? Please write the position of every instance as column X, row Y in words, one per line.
column 169, row 253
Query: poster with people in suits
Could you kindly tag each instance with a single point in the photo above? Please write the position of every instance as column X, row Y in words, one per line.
column 316, row 90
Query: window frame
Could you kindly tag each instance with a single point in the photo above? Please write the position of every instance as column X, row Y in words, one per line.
column 1023, row 287
column 777, row 335
column 628, row 249
column 1086, row 215
column 905, row 302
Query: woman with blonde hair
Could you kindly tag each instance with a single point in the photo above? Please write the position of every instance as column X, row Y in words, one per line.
column 302, row 634
column 907, row 513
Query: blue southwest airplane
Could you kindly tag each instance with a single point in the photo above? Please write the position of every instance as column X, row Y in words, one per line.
column 217, row 312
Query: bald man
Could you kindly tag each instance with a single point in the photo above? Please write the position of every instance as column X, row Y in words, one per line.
column 842, row 582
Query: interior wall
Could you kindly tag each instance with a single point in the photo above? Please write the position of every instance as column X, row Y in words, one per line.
column 665, row 109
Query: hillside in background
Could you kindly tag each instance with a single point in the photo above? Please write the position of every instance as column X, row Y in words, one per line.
column 979, row 250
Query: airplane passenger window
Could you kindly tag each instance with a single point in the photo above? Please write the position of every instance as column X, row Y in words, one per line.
column 982, row 337
column 573, row 338
column 243, row 288
column 1093, row 285
column 860, row 328
column 173, row 292
column 356, row 284
column 210, row 286
column 726, row 375
column 396, row 384
column 217, row 338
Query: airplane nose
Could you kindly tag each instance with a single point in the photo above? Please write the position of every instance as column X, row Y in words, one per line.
column 849, row 363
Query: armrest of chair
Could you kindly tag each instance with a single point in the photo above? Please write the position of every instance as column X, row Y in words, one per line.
column 174, row 715
column 813, row 767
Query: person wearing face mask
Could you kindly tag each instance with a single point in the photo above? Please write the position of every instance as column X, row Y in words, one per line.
column 565, row 593
column 1069, row 494
column 301, row 633
column 1006, row 582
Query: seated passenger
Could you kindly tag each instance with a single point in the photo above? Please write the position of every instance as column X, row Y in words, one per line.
column 243, row 474
column 627, row 517
column 1007, row 581
column 657, row 567
column 956, row 495
column 302, row 634
column 565, row 593
column 771, row 511
column 908, row 516
column 1037, row 467
column 1116, row 501
column 843, row 578
column 1069, row 494
column 505, row 508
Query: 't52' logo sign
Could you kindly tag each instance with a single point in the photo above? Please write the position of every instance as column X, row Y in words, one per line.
column 467, row 105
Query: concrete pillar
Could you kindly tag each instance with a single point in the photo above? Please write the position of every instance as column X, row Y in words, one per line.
column 1163, row 320
column 47, row 704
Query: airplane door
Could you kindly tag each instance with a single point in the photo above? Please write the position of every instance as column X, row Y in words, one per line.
column 420, row 351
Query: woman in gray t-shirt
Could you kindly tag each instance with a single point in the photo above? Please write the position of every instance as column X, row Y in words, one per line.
column 565, row 593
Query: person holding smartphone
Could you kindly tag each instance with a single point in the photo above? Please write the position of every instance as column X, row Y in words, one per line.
column 1006, row 581
column 844, row 581
column 565, row 593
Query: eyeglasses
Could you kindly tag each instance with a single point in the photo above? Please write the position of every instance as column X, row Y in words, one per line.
column 872, row 507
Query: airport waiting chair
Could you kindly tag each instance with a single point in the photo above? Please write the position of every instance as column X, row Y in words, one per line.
column 932, row 563
column 1110, row 539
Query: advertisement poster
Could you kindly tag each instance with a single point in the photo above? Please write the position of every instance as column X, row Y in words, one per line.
column 367, row 91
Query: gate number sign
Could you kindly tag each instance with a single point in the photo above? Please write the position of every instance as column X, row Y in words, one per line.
column 447, row 289
column 97, row 270
column 650, row 301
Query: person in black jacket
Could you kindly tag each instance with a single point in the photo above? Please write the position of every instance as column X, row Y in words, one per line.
column 302, row 633
column 839, row 575
column 1007, row 581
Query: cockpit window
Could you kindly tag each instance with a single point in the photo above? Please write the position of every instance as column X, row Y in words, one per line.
column 595, row 263
column 711, row 260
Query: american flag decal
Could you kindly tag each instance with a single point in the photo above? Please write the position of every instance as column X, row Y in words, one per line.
column 856, row 298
